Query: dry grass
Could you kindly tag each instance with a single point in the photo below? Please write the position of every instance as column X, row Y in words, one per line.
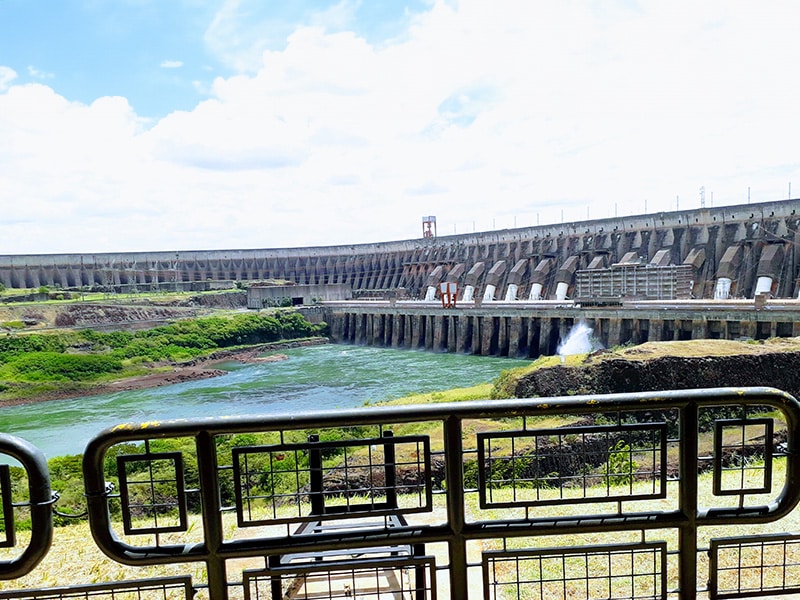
column 74, row 559
column 697, row 349
column 476, row 392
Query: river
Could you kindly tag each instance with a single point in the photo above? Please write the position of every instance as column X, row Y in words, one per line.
column 319, row 377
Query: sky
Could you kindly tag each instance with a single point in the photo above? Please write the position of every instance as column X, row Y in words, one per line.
column 152, row 125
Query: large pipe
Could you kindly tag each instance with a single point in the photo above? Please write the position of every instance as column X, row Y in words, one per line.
column 511, row 292
column 561, row 290
column 469, row 292
column 763, row 286
column 488, row 295
column 536, row 292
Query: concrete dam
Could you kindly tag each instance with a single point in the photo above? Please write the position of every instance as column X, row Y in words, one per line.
column 725, row 272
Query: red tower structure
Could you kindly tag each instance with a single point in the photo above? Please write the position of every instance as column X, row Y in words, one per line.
column 429, row 227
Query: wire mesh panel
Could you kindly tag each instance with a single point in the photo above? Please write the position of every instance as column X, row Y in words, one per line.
column 742, row 456
column 7, row 536
column 152, row 492
column 755, row 566
column 285, row 483
column 606, row 461
column 371, row 579
column 163, row 588
column 621, row 572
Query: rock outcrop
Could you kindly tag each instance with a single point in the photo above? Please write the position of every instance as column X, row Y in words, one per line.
column 613, row 374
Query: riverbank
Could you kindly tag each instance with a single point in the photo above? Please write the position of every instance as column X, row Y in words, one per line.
column 159, row 374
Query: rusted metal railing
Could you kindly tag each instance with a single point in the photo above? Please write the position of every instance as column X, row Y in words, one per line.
column 677, row 494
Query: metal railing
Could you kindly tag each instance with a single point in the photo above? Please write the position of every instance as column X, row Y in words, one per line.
column 677, row 494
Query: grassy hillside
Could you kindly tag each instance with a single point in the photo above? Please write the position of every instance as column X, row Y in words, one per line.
column 35, row 364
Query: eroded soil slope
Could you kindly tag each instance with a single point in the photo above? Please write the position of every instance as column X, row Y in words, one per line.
column 114, row 314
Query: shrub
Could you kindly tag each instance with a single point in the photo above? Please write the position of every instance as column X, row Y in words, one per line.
column 52, row 366
column 18, row 344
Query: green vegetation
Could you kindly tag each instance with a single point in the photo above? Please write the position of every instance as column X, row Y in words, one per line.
column 52, row 366
column 77, row 359
column 196, row 337
column 620, row 468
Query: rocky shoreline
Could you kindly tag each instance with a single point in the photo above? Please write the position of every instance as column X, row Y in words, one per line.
column 169, row 374
column 658, row 366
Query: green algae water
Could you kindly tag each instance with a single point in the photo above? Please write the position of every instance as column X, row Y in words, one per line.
column 316, row 378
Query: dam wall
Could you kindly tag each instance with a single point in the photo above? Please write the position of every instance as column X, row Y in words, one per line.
column 726, row 252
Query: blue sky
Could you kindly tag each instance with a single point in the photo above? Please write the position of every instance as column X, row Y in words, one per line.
column 188, row 124
column 163, row 55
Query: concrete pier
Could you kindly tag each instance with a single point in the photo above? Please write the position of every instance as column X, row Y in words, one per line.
column 528, row 330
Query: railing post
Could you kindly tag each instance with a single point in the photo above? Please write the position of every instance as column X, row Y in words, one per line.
column 390, row 466
column 212, row 515
column 315, row 494
column 454, row 476
column 687, row 545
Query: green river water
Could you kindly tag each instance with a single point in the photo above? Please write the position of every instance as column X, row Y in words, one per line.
column 316, row 378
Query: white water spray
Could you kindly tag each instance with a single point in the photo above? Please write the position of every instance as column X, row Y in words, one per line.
column 578, row 341
column 723, row 289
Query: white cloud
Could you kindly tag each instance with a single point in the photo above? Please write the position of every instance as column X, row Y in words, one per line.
column 38, row 74
column 238, row 40
column 7, row 75
column 171, row 64
column 501, row 114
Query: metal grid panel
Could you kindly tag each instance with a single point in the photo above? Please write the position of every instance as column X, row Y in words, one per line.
column 161, row 588
column 8, row 539
column 609, row 461
column 646, row 282
column 735, row 442
column 619, row 572
column 151, row 487
column 754, row 566
column 412, row 578
column 287, row 483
